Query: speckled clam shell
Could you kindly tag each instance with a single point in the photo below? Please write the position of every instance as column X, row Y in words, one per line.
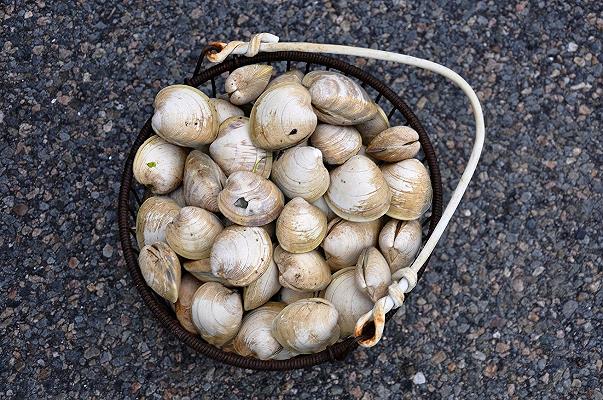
column 184, row 116
column 410, row 187
column 400, row 242
column 217, row 313
column 233, row 149
column 262, row 289
column 203, row 181
column 395, row 144
column 153, row 217
column 160, row 268
column 336, row 143
column 192, row 232
column 374, row 126
column 245, row 84
column 358, row 192
column 305, row 272
column 225, row 109
column 301, row 227
column 291, row 76
column 159, row 165
column 300, row 172
column 373, row 276
column 345, row 240
column 249, row 199
column 188, row 286
column 255, row 336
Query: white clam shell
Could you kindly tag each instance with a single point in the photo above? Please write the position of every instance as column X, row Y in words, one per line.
column 358, row 190
column 289, row 296
column 306, row 326
column 345, row 241
column 282, row 117
column 350, row 302
column 159, row 165
column 192, row 232
column 373, row 276
column 400, row 242
column 245, row 84
column 300, row 172
column 262, row 289
column 395, row 144
column 301, row 227
column 217, row 313
column 338, row 99
column 184, row 116
column 255, row 337
column 241, row 254
column 233, row 149
column 374, row 126
column 225, row 109
column 203, row 181
column 153, row 217
column 324, row 207
column 201, row 269
column 249, row 199
column 305, row 272
column 188, row 286
column 160, row 268
column 178, row 196
column 336, row 143
column 410, row 187
column 291, row 76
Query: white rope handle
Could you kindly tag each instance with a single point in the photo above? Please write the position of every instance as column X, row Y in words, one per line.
column 406, row 278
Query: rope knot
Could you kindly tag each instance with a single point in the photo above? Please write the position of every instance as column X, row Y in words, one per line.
column 250, row 48
column 409, row 274
column 396, row 293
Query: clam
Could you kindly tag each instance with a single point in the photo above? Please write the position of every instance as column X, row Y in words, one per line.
column 159, row 165
column 324, row 207
column 373, row 276
column 217, row 313
column 374, row 126
column 291, row 76
column 262, row 289
column 249, row 199
column 305, row 272
column 358, row 190
column 282, row 117
column 410, row 187
column 400, row 242
column 338, row 99
column 188, row 286
column 255, row 337
column 270, row 229
column 289, row 296
column 225, row 109
column 245, row 84
column 345, row 240
column 178, row 196
column 241, row 254
column 160, row 268
column 301, row 227
column 395, row 144
column 201, row 269
column 306, row 326
column 234, row 151
column 203, row 180
column 299, row 172
column 336, row 143
column 153, row 217
column 192, row 232
column 184, row 116
column 350, row 302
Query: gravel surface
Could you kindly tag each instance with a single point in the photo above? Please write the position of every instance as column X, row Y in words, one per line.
column 512, row 304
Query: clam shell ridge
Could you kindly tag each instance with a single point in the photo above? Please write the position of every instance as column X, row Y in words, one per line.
column 373, row 276
column 305, row 272
column 203, row 181
column 245, row 84
column 160, row 268
column 345, row 241
column 400, row 242
column 188, row 286
column 395, row 144
column 192, row 232
column 262, row 289
column 255, row 337
column 152, row 219
column 225, row 109
column 300, row 172
column 301, row 227
column 159, row 165
column 410, row 185
column 374, row 126
column 336, row 143
column 217, row 313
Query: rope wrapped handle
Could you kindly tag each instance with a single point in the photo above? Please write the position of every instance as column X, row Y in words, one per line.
column 404, row 279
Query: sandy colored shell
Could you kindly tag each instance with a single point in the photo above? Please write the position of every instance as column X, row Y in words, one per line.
column 153, row 217
column 289, row 296
column 192, row 232
column 400, row 242
column 373, row 276
column 282, row 117
column 255, row 337
column 301, row 227
column 395, row 144
column 184, row 116
column 159, row 165
column 201, row 269
column 305, row 272
column 292, row 76
column 160, row 268
column 358, row 190
column 234, row 151
column 410, row 187
column 217, row 313
column 306, row 326
column 245, row 84
column 300, row 172
column 324, row 207
column 249, row 199
column 203, row 180
column 188, row 286
column 374, row 126
column 262, row 289
column 336, row 143
column 347, row 298
column 338, row 99
column 225, row 109
column 241, row 254
column 345, row 241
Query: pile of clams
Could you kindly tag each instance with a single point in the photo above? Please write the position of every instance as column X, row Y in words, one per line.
column 272, row 230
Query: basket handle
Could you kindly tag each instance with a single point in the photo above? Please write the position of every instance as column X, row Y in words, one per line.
column 406, row 278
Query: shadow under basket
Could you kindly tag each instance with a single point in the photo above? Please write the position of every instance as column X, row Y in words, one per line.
column 131, row 195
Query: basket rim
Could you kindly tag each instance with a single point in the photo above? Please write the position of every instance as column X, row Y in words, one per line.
column 336, row 352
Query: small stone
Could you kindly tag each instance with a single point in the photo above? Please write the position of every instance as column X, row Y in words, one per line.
column 518, row 285
column 478, row 355
column 572, row 47
column 538, row 270
column 569, row 308
column 28, row 14
column 242, row 19
column 490, row 370
column 20, row 209
column 419, row 378
column 108, row 250
column 502, row 347
column 91, row 352
column 584, row 110
column 37, row 50
column 73, row 262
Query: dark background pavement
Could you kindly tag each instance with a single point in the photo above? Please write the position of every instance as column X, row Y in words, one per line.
column 512, row 304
